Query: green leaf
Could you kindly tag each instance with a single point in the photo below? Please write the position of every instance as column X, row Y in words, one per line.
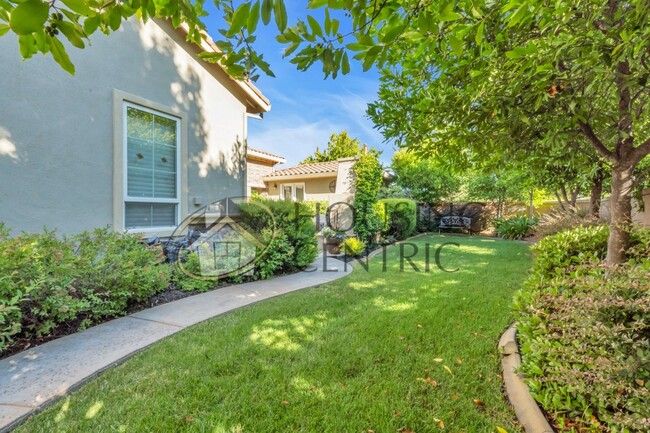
column 456, row 45
column 4, row 28
column 253, row 18
column 345, row 64
column 290, row 49
column 28, row 17
column 392, row 34
column 335, row 26
column 448, row 14
column 27, row 46
column 315, row 27
column 73, row 33
column 519, row 14
column 91, row 24
column 78, row 6
column 59, row 54
column 355, row 46
column 115, row 18
column 315, row 4
column 280, row 12
column 479, row 33
column 239, row 18
column 328, row 22
column 267, row 7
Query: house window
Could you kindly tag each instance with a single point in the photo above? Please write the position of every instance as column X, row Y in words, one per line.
column 292, row 192
column 152, row 168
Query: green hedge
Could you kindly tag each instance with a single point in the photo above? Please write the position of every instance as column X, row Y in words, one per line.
column 401, row 215
column 47, row 282
column 584, row 331
column 295, row 226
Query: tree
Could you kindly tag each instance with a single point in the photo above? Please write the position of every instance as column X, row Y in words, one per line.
column 424, row 179
column 500, row 189
column 340, row 145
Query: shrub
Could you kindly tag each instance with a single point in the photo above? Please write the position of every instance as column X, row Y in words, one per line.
column 116, row 269
column 294, row 220
column 274, row 256
column 517, row 227
column 584, row 338
column 187, row 274
column 353, row 246
column 48, row 282
column 584, row 330
column 401, row 217
column 313, row 205
column 583, row 245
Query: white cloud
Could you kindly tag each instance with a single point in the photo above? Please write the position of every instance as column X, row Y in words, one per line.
column 7, row 147
column 293, row 137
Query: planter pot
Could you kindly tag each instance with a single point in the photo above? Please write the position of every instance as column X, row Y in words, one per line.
column 333, row 246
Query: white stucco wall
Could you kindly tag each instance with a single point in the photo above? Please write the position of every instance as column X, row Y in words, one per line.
column 56, row 130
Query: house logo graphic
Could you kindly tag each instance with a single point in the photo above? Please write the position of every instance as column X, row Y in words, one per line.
column 227, row 238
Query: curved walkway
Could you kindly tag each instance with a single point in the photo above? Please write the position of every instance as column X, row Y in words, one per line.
column 32, row 379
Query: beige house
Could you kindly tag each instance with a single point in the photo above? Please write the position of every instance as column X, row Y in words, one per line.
column 259, row 164
column 331, row 181
column 322, row 181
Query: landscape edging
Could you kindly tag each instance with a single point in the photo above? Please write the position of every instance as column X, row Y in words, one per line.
column 528, row 412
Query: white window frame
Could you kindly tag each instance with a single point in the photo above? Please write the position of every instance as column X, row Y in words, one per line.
column 121, row 101
column 128, row 199
column 293, row 190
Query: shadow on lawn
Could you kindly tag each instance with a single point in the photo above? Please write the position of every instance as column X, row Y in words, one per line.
column 359, row 353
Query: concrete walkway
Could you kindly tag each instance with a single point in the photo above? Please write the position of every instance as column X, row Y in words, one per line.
column 32, row 379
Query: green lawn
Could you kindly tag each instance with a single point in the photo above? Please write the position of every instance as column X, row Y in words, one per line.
column 375, row 351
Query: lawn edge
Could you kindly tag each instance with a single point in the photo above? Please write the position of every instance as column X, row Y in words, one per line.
column 526, row 408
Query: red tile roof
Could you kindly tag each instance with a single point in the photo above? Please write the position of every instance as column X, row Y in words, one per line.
column 307, row 169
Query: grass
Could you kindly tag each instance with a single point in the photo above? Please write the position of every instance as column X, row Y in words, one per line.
column 375, row 351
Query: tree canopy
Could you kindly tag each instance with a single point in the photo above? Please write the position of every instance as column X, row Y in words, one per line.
column 340, row 145
column 424, row 179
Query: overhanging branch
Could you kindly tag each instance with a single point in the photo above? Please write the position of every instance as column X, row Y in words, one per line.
column 593, row 138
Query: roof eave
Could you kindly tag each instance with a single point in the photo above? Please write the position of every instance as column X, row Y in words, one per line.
column 255, row 100
column 299, row 176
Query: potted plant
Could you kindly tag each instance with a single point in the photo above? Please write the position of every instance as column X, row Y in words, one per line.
column 332, row 240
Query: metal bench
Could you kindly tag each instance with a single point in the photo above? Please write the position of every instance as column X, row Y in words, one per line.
column 455, row 222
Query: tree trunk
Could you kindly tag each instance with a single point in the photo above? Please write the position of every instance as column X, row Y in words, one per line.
column 620, row 204
column 596, row 192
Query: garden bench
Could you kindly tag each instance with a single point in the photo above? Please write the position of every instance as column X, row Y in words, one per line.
column 455, row 222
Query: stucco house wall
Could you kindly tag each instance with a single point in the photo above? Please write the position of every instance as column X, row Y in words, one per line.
column 315, row 188
column 61, row 135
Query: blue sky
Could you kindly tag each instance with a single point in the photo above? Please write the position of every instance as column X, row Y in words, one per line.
column 306, row 109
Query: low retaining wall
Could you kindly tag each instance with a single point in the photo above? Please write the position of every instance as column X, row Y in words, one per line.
column 528, row 412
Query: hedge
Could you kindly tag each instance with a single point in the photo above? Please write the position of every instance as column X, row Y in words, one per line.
column 584, row 332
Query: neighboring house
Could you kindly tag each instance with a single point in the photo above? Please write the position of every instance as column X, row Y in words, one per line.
column 145, row 134
column 323, row 181
column 259, row 164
